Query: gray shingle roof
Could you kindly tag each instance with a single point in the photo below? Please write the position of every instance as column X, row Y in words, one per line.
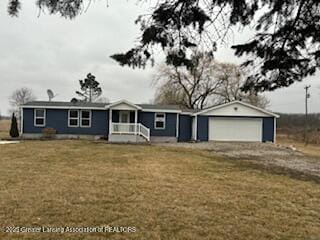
column 103, row 105
column 64, row 104
column 159, row 107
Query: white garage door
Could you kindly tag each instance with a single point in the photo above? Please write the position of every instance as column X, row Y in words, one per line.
column 235, row 129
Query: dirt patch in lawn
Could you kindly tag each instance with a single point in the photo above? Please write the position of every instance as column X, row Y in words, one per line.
column 266, row 154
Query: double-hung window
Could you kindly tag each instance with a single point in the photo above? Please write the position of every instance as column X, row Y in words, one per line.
column 159, row 121
column 79, row 118
column 73, row 120
column 85, row 120
column 39, row 117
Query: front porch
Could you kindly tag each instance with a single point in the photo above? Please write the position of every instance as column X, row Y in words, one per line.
column 124, row 125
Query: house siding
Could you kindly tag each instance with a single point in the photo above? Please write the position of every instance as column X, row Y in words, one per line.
column 203, row 128
column 58, row 119
column 268, row 129
column 147, row 119
column 185, row 128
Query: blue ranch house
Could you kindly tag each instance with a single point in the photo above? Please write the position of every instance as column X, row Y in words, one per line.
column 124, row 121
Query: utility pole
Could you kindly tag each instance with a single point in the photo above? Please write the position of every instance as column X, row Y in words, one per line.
column 306, row 117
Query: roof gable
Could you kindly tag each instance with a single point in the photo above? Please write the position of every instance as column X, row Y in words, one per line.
column 123, row 105
column 237, row 108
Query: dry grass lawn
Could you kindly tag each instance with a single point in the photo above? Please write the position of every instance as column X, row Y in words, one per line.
column 4, row 128
column 166, row 193
column 310, row 149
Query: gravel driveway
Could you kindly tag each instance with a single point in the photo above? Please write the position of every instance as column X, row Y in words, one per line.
column 263, row 153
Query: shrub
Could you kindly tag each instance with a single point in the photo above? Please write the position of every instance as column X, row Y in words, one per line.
column 49, row 133
column 14, row 132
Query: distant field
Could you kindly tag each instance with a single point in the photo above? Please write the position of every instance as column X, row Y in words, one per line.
column 310, row 149
column 166, row 193
column 4, row 128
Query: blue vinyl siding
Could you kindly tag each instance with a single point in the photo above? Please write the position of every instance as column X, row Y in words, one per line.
column 147, row 119
column 203, row 128
column 58, row 119
column 268, row 129
column 185, row 128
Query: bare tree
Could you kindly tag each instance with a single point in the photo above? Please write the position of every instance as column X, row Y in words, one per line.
column 19, row 97
column 208, row 83
column 233, row 79
column 188, row 87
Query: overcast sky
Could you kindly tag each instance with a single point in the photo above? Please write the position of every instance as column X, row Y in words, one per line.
column 46, row 51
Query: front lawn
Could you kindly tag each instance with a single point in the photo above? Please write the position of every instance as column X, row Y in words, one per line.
column 166, row 193
column 4, row 128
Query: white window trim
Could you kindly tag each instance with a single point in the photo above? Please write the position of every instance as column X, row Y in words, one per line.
column 35, row 117
column 90, row 117
column 69, row 118
column 164, row 121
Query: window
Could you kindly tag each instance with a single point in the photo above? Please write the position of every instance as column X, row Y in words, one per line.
column 160, row 121
column 73, row 118
column 39, row 117
column 85, row 118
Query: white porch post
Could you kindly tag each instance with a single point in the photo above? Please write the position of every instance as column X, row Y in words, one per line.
column 196, row 128
column 177, row 126
column 110, row 120
column 135, row 121
column 274, row 130
column 21, row 120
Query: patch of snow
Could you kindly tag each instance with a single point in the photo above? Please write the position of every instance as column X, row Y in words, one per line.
column 8, row 142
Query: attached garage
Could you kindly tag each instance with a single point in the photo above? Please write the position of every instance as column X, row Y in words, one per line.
column 235, row 129
column 235, row 121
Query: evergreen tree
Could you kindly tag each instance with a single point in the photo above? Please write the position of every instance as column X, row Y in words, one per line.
column 90, row 90
column 14, row 132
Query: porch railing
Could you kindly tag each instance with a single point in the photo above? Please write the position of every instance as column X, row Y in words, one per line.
column 131, row 128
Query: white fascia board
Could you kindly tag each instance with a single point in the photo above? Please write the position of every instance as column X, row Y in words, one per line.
column 240, row 102
column 187, row 113
column 65, row 107
column 161, row 110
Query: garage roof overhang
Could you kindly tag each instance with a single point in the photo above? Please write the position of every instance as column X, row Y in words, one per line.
column 263, row 111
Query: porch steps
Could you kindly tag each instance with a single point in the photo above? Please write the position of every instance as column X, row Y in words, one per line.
column 126, row 138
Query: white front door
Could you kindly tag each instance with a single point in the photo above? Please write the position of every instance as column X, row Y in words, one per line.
column 124, row 117
column 235, row 129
